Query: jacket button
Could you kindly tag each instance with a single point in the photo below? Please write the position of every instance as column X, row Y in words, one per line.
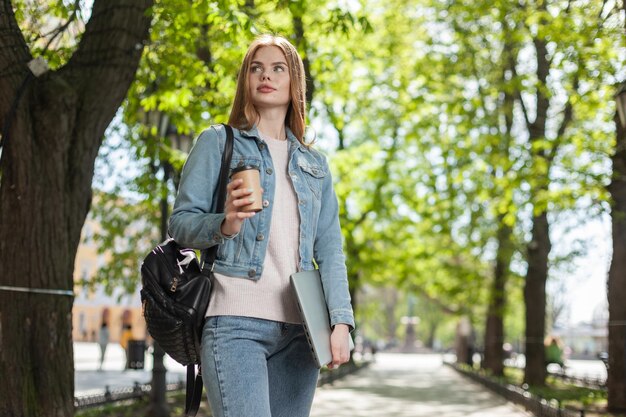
column 266, row 203
column 240, row 164
column 269, row 171
column 260, row 237
column 217, row 238
column 251, row 273
column 261, row 146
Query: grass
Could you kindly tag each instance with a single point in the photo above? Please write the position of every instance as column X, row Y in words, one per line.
column 556, row 389
column 567, row 395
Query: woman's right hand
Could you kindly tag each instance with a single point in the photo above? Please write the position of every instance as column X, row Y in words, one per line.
column 236, row 198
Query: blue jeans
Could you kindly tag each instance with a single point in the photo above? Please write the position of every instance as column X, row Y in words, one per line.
column 257, row 368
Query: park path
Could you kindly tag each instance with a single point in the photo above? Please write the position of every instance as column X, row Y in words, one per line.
column 395, row 385
column 409, row 385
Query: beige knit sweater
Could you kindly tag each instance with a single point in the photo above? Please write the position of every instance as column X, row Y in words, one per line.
column 270, row 297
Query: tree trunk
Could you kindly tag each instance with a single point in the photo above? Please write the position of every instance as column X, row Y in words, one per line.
column 301, row 43
column 463, row 344
column 45, row 192
column 535, row 300
column 538, row 250
column 494, row 332
column 494, row 327
column 617, row 279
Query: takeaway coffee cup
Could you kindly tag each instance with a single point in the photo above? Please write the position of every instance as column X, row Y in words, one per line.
column 251, row 177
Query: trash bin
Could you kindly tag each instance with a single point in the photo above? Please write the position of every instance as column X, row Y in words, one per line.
column 136, row 354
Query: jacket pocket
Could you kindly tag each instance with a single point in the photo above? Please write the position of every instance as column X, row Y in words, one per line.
column 314, row 175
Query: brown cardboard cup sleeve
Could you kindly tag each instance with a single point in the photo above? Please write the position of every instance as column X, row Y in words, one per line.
column 251, row 177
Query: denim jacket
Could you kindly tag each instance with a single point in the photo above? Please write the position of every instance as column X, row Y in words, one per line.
column 195, row 224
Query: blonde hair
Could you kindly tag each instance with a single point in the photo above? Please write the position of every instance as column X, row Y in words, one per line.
column 243, row 114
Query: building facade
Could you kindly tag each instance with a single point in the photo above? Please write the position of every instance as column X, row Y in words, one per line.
column 92, row 305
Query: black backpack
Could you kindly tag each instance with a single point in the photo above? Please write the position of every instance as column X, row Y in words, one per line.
column 175, row 295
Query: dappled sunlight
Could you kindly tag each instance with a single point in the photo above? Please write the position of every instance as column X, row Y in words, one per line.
column 399, row 385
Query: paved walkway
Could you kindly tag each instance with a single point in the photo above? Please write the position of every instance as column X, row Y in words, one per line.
column 396, row 385
column 402, row 385
column 88, row 380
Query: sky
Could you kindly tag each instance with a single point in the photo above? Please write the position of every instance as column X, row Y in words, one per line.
column 586, row 282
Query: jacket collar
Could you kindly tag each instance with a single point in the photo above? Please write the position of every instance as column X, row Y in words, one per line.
column 253, row 133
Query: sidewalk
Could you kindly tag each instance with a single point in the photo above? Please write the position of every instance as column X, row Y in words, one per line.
column 396, row 385
column 409, row 385
column 88, row 380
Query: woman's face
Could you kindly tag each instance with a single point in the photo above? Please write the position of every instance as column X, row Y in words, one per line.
column 268, row 79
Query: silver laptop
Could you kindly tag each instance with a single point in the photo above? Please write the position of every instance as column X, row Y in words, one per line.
column 307, row 287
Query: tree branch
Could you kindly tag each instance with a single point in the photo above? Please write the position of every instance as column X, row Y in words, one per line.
column 537, row 128
column 109, row 50
column 568, row 115
column 334, row 120
column 439, row 303
column 96, row 80
column 302, row 44
column 55, row 33
column 14, row 55
column 518, row 93
column 601, row 10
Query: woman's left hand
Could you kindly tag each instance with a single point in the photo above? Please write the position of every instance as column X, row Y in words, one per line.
column 339, row 345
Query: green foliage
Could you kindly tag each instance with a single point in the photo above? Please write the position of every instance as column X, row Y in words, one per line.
column 185, row 82
column 434, row 146
column 424, row 107
column 116, row 410
column 566, row 394
column 52, row 28
column 126, row 230
column 404, row 192
column 514, row 314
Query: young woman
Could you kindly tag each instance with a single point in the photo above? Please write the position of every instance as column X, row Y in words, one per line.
column 256, row 361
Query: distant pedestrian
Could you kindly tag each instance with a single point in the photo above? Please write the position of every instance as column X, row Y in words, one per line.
column 127, row 335
column 103, row 341
column 554, row 351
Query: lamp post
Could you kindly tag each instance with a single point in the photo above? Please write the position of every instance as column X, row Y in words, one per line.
column 410, row 321
column 164, row 130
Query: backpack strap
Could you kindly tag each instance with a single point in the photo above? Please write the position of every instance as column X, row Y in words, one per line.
column 221, row 188
column 193, row 394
